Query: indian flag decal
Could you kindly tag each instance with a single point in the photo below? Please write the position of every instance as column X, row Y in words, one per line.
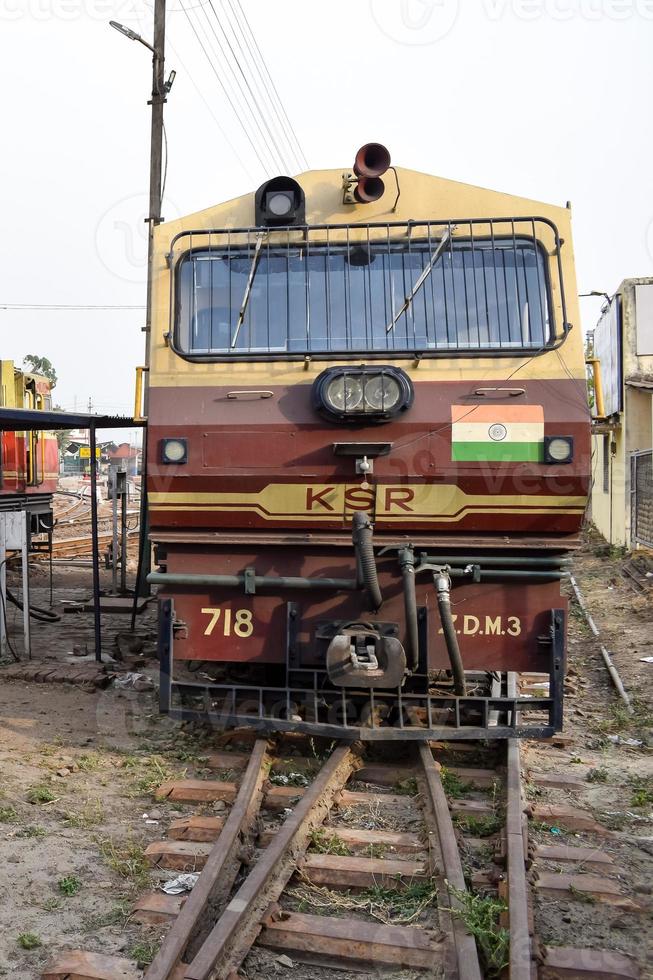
column 500, row 433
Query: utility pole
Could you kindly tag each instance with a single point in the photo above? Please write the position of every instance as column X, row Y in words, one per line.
column 158, row 100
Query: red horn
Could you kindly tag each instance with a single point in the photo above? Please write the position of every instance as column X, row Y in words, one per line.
column 372, row 160
column 369, row 189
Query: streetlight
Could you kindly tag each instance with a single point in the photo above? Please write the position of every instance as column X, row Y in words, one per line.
column 132, row 35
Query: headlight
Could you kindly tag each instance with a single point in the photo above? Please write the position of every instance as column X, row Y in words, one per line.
column 382, row 393
column 174, row 451
column 345, row 394
column 558, row 449
column 365, row 393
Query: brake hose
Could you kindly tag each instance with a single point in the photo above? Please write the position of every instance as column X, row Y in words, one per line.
column 443, row 589
column 362, row 538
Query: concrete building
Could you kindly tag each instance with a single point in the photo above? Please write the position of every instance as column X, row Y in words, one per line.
column 622, row 442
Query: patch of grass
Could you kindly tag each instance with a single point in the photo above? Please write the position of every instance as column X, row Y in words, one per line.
column 127, row 859
column 69, row 885
column 40, row 794
column 406, row 787
column 32, row 831
column 144, row 952
column 641, row 790
column 582, row 896
column 28, row 940
column 482, row 826
column 89, row 762
column 323, row 843
column 598, row 775
column 8, row 814
column 453, row 784
column 399, row 907
column 90, row 814
column 153, row 770
column 116, row 916
column 481, row 917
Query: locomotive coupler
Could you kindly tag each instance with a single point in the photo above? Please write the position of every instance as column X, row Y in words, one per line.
column 360, row 656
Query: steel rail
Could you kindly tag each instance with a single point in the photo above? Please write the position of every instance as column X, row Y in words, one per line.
column 521, row 951
column 235, row 931
column 469, row 967
column 220, row 871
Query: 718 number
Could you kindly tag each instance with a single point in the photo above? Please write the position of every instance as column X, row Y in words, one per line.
column 239, row 624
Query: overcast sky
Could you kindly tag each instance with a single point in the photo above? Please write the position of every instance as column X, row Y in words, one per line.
column 549, row 99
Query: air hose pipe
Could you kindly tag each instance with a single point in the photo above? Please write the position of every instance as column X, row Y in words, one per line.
column 407, row 563
column 443, row 589
column 363, row 546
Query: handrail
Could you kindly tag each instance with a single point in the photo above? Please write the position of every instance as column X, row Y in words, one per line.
column 138, row 395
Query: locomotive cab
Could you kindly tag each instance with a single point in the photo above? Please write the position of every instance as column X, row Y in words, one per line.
column 368, row 456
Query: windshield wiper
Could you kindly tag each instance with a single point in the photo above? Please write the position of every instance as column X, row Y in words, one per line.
column 426, row 271
column 248, row 288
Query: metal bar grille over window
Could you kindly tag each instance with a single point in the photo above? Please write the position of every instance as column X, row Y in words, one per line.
column 418, row 288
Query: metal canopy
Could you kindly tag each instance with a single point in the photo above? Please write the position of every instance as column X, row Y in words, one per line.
column 30, row 420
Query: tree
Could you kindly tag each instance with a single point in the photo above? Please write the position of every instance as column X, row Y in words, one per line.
column 41, row 365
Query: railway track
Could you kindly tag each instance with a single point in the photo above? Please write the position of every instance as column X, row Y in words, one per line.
column 351, row 864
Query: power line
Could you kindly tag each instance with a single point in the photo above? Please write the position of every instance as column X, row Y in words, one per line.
column 222, row 86
column 268, row 122
column 262, row 86
column 211, row 112
column 254, row 111
column 67, row 306
column 261, row 61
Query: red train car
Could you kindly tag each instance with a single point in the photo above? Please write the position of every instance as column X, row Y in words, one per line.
column 29, row 461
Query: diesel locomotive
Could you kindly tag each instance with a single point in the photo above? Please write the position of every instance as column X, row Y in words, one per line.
column 368, row 456
column 29, row 461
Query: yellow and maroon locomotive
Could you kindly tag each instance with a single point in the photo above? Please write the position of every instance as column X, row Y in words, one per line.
column 369, row 455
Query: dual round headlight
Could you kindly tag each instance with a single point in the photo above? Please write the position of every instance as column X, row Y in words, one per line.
column 374, row 393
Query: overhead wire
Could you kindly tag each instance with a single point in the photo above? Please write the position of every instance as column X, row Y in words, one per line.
column 263, row 164
column 230, row 76
column 257, row 112
column 268, row 111
column 211, row 111
column 68, row 306
column 259, row 62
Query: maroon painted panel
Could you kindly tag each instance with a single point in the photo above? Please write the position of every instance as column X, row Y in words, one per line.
column 498, row 624
column 241, row 446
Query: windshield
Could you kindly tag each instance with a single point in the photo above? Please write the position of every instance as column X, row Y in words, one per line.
column 404, row 296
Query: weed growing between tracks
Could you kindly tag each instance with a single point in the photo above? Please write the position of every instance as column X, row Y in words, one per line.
column 127, row 859
column 481, row 917
column 323, row 843
column 392, row 907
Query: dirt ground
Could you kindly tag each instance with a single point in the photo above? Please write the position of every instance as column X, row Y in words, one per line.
column 78, row 770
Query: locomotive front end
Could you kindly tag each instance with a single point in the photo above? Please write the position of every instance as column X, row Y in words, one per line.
column 368, row 457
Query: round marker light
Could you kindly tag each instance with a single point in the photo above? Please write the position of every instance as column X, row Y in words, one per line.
column 345, row 393
column 279, row 204
column 498, row 432
column 559, row 450
column 382, row 393
column 174, row 451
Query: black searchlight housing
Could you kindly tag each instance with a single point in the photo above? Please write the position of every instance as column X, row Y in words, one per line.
column 362, row 394
column 280, row 202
